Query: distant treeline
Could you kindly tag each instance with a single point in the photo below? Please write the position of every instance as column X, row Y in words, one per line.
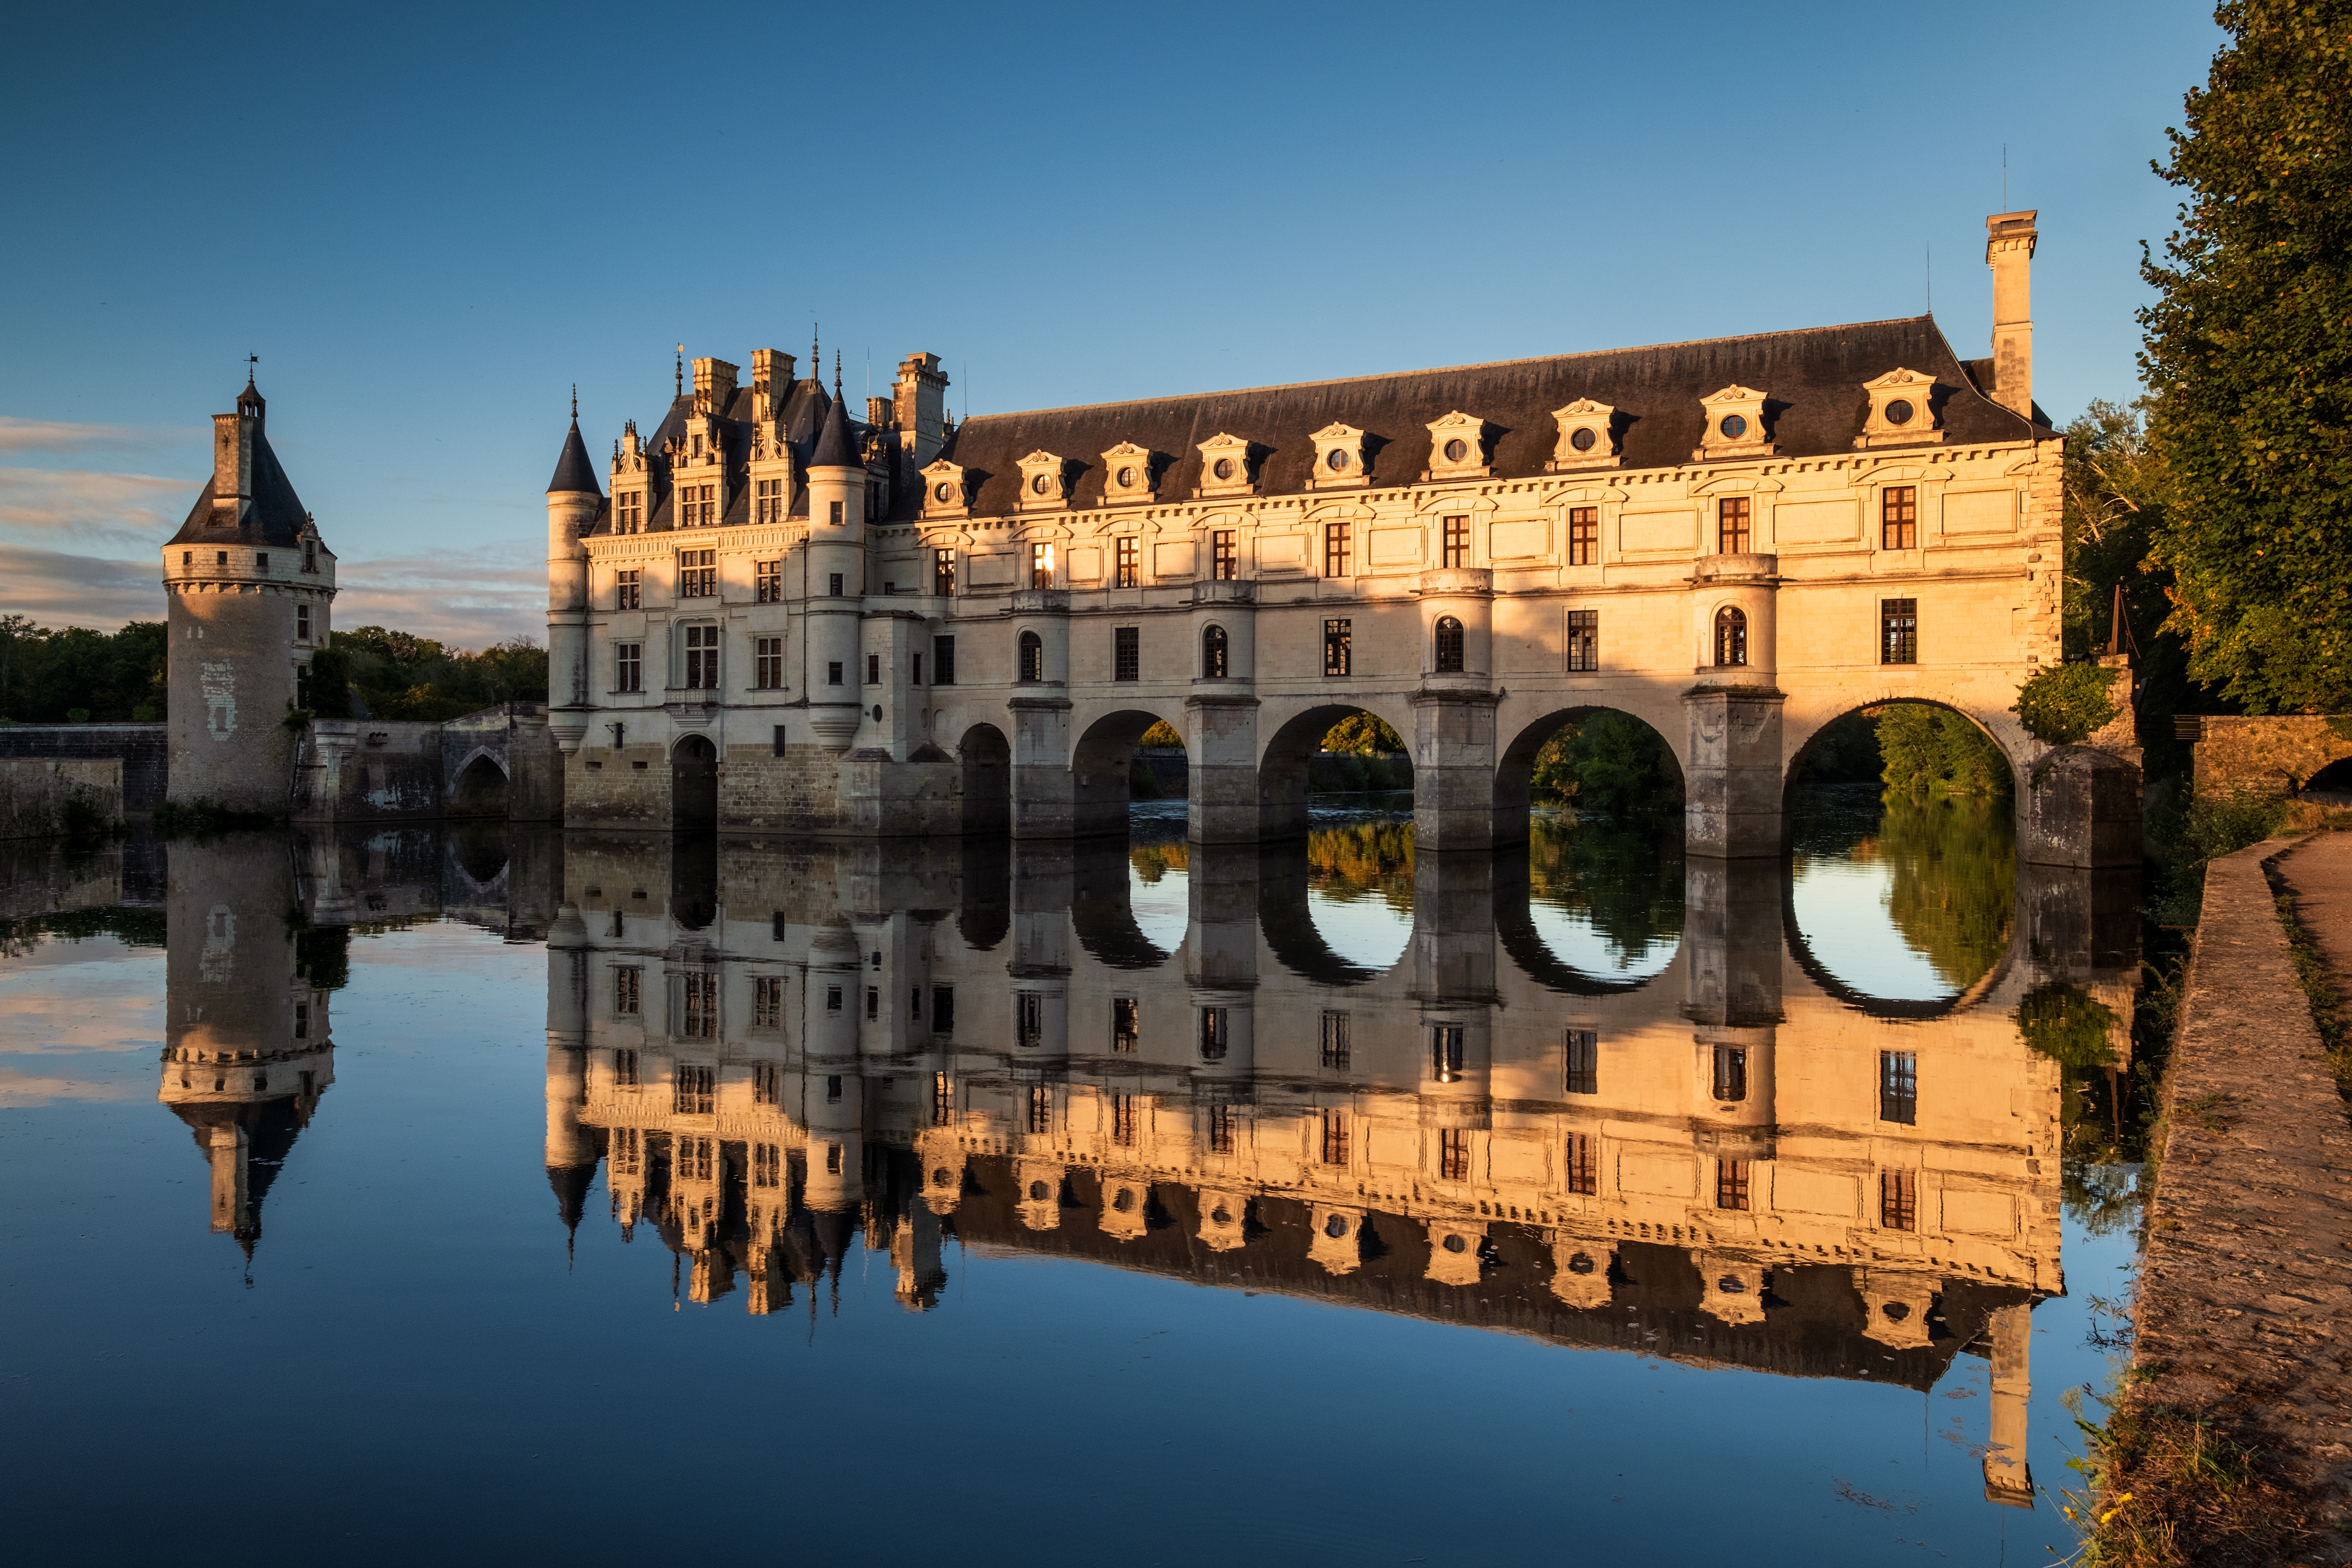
column 71, row 675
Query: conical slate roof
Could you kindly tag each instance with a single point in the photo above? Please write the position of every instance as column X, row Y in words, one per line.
column 573, row 471
column 835, row 449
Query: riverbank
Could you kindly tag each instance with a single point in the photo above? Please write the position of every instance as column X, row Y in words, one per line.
column 2232, row 1439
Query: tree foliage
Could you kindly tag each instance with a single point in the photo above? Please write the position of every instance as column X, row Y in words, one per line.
column 2249, row 354
column 54, row 675
column 1955, row 880
column 2066, row 704
column 399, row 675
column 1928, row 751
column 1362, row 734
column 1609, row 761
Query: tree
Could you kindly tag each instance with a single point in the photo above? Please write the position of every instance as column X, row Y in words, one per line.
column 2249, row 354
column 1362, row 734
column 1931, row 751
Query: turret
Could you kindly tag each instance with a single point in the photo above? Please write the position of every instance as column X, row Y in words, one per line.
column 574, row 500
column 836, row 557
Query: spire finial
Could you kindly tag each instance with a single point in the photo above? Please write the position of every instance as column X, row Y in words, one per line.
column 575, row 403
column 250, row 360
column 817, row 360
column 837, row 375
column 678, row 370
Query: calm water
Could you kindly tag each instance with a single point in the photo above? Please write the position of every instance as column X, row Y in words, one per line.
column 417, row 1196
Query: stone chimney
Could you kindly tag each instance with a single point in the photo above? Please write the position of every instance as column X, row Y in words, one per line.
column 714, row 386
column 919, row 404
column 2009, row 251
column 232, row 466
column 772, row 382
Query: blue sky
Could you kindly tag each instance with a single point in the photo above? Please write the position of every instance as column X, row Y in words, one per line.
column 430, row 222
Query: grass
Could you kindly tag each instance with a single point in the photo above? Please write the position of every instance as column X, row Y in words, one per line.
column 2318, row 989
column 2173, row 1491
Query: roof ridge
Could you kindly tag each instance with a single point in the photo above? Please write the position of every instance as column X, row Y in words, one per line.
column 1449, row 369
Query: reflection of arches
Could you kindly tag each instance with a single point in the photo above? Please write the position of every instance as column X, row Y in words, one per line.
column 1102, row 913
column 1100, row 765
column 1731, row 636
column 1216, row 654
column 1514, row 769
column 482, row 789
column 1282, row 768
column 1514, row 928
column 1285, row 918
column 986, row 913
column 480, row 851
column 694, row 783
column 985, row 759
column 694, row 883
column 1822, row 976
column 1449, row 645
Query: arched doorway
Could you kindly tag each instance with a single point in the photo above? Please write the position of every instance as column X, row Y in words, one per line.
column 694, row 784
column 1300, row 760
column 481, row 790
column 984, row 779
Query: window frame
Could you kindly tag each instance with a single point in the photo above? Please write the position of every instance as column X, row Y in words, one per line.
column 1216, row 653
column 1449, row 649
column 698, row 573
column 1127, row 653
column 767, row 664
column 1730, row 637
column 1127, row 561
column 1583, row 642
column 1339, row 647
column 1224, row 556
column 1584, row 536
column 1735, row 524
column 628, row 667
column 628, row 588
column 768, row 582
column 1453, row 541
column 1029, row 649
column 1898, row 631
column 1340, row 548
column 1898, row 517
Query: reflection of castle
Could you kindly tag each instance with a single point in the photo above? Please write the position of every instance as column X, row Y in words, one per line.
column 1731, row 1163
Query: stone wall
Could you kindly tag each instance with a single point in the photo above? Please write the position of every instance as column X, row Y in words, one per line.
column 368, row 770
column 2270, row 756
column 142, row 749
column 34, row 792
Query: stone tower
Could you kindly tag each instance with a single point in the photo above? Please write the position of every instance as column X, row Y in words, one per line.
column 248, row 584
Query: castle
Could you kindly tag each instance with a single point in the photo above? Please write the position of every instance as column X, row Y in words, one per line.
column 782, row 618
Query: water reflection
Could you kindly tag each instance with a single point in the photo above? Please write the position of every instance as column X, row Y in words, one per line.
column 1581, row 1092
column 1904, row 899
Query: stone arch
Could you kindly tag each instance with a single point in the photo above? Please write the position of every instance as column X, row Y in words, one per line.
column 1101, row 764
column 984, row 779
column 1523, row 941
column 694, row 783
column 1286, row 921
column 482, row 788
column 1515, row 764
column 1102, row 911
column 1801, row 735
column 1282, row 758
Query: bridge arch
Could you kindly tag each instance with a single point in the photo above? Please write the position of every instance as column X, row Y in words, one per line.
column 1102, row 761
column 1801, row 734
column 694, row 783
column 1284, row 745
column 1515, row 763
column 984, row 779
column 482, row 789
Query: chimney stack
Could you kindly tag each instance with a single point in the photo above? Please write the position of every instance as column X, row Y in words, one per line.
column 714, row 386
column 2009, row 251
column 919, row 403
column 232, row 466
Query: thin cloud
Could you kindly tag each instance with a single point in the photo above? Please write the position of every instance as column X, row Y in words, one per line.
column 135, row 509
column 462, row 598
column 54, row 588
column 58, row 435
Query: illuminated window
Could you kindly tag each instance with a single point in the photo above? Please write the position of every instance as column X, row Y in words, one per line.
column 1584, row 640
column 943, row 571
column 693, row 1091
column 1583, row 1062
column 1126, row 1118
column 1224, row 560
column 1339, row 647
column 1335, row 1137
column 1456, row 543
column 1041, row 1107
column 1730, row 636
column 1731, row 1178
column 1898, row 631
column 1338, row 549
column 1731, row 1073
column 1216, row 1026
column 1583, row 536
column 1041, row 566
column 1583, row 1165
column 1731, row 530
column 1898, row 1087
column 1898, row 1200
column 1128, row 572
column 1898, row 517
column 1221, row 1129
column 1454, row 1155
column 1446, row 1049
column 1215, row 653
column 943, row 1100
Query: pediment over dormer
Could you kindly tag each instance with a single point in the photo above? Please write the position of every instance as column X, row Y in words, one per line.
column 1226, row 465
column 1343, row 457
column 1588, row 437
column 1044, row 481
column 1735, row 424
column 946, row 491
column 1129, row 474
column 1903, row 411
column 1457, row 447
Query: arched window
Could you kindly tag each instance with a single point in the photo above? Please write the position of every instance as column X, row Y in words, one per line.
column 1731, row 636
column 1449, row 646
column 1214, row 662
column 1033, row 657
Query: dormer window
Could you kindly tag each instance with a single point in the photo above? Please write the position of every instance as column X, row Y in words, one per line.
column 629, row 511
column 1457, row 447
column 1044, row 482
column 1588, row 436
column 1735, row 425
column 1225, row 465
column 311, row 555
column 1126, row 474
column 945, row 492
column 1340, row 457
column 767, row 500
column 1901, row 411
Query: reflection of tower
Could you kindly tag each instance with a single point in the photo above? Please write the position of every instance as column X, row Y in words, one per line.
column 2007, row 1477
column 834, row 1091
column 246, row 1052
column 571, row 1150
column 1731, row 947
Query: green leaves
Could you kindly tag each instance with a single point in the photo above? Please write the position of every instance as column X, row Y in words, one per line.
column 2066, row 704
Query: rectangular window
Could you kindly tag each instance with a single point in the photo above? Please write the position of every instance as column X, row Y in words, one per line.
column 943, row 563
column 919, row 670
column 1584, row 536
column 1898, row 1200
column 1338, row 550
column 767, row 1001
column 767, row 500
column 1029, row 1018
column 1731, row 1183
column 1584, row 640
column 873, row 670
column 872, row 1004
column 834, row 516
column 1898, row 517
column 1731, row 531
column 1445, row 1051
column 629, row 511
column 833, row 585
column 702, row 658
column 1454, row 1155
column 1456, row 541
column 768, row 663
column 833, row 672
column 1898, row 1087
column 1583, row 1164
column 1221, row 1128
column 943, row 1100
column 693, row 1159
column 1583, row 1062
column 1898, row 631
column 698, row 573
column 261, row 561
column 1339, row 647
column 1216, row 1026
column 626, row 983
column 1336, row 1050
column 629, row 1152
column 628, row 589
column 1335, row 1137
column 767, row 1165
column 943, row 1010
column 1041, row 566
column 625, row 1070
column 310, row 555
column 763, row 1083
column 628, row 667
column 1127, row 653
column 1126, row 1118
column 1731, row 1073
column 833, row 998
column 1126, row 1023
column 700, row 1018
column 1224, row 560
column 915, row 1002
column 693, row 1091
column 768, row 582
column 777, row 923
column 833, row 1089
column 943, row 661
column 302, row 623
column 301, row 1020
column 1041, row 1107
column 1127, row 571
column 832, row 1151
column 702, row 506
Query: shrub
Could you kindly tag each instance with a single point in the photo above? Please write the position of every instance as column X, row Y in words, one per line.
column 145, row 713
column 2068, row 1025
column 77, row 715
column 80, row 818
column 2066, row 704
column 2215, row 826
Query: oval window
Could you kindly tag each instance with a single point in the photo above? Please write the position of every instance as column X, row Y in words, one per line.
column 1584, row 439
column 1126, row 479
column 1125, row 1201
column 1225, row 468
column 1336, row 1227
column 1337, row 462
column 940, row 492
column 1580, row 1263
column 1733, row 427
column 1898, row 412
column 1037, row 486
column 1455, row 1244
column 1222, row 1214
column 1732, row 1285
column 1037, row 1192
column 1456, row 450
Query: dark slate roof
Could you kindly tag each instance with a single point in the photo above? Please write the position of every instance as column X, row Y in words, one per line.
column 573, row 471
column 275, row 517
column 834, row 448
column 805, row 410
column 1813, row 379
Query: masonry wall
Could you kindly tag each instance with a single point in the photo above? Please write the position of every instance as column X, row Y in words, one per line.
column 143, row 751
column 2269, row 756
column 393, row 773
column 35, row 792
column 232, row 678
